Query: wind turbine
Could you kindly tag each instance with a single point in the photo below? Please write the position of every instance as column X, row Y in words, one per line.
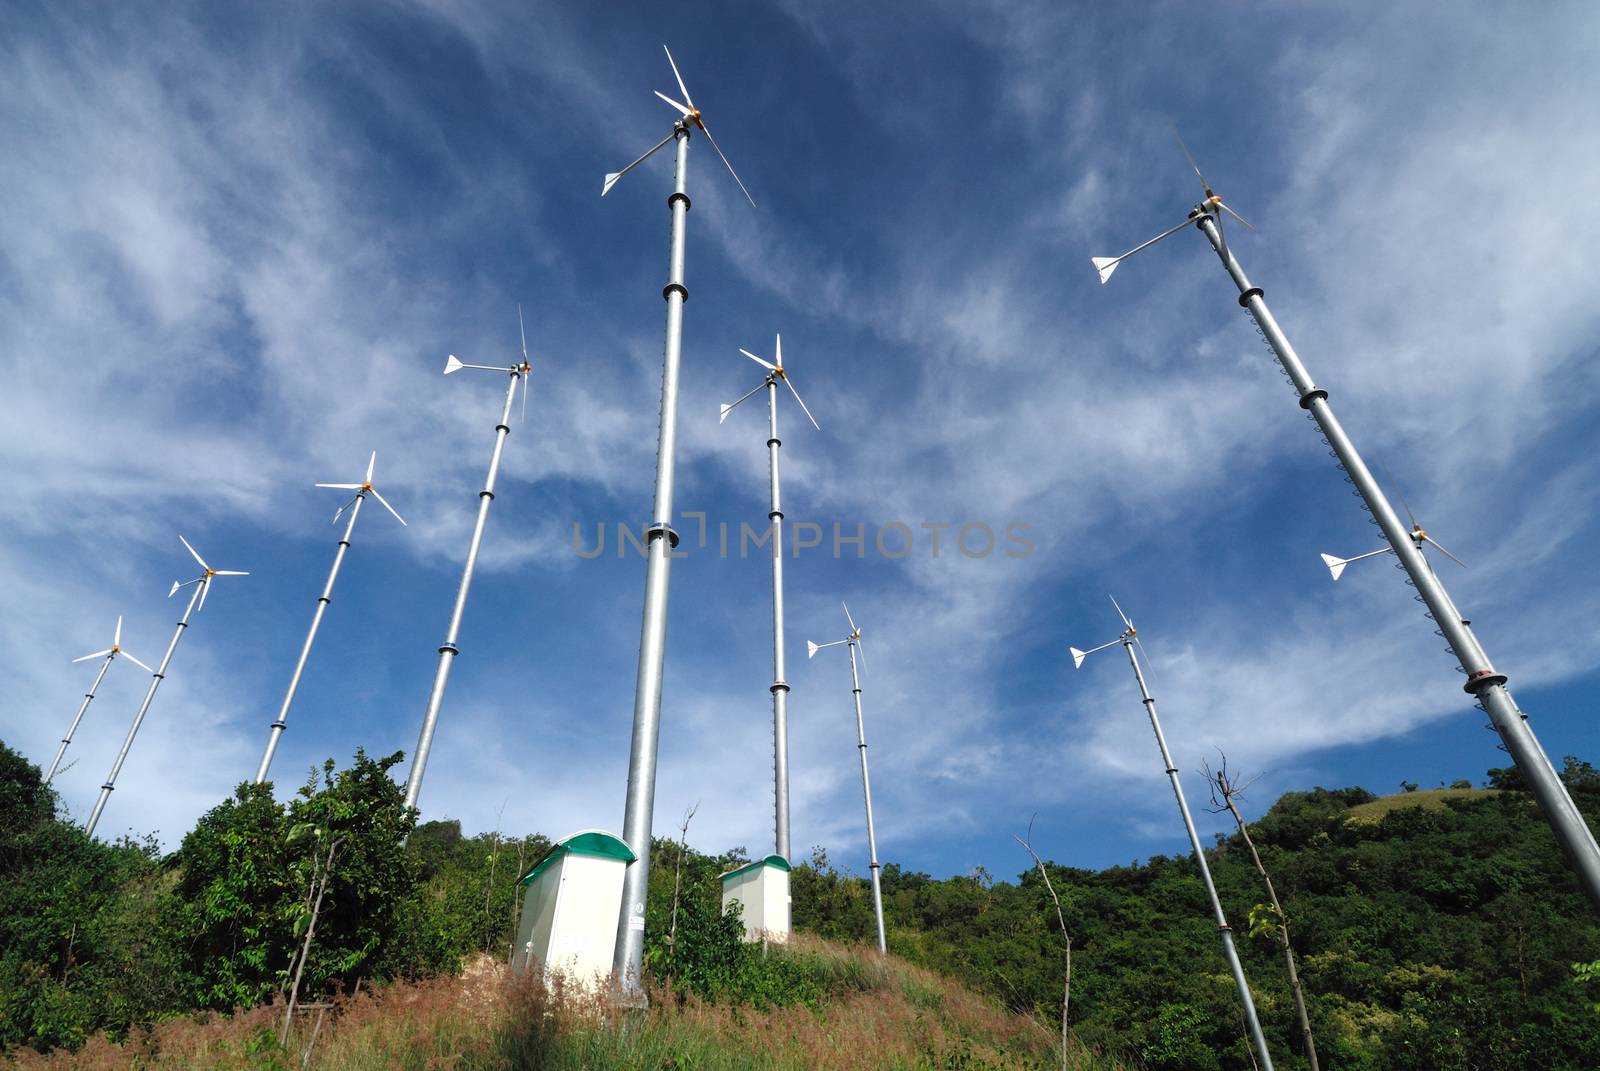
column 1128, row 638
column 197, row 602
column 780, row 687
column 640, row 802
column 448, row 650
column 362, row 490
column 110, row 656
column 1484, row 682
column 853, row 640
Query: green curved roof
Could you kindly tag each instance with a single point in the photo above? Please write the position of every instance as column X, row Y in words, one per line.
column 777, row 862
column 595, row 842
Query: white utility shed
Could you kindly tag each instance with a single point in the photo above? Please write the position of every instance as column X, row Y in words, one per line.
column 762, row 890
column 570, row 907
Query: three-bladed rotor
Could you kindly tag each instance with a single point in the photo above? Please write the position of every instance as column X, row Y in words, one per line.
column 363, row 488
column 1212, row 205
column 1418, row 535
column 775, row 372
column 690, row 117
column 116, row 649
column 852, row 637
column 523, row 369
column 204, row 579
column 1129, row 635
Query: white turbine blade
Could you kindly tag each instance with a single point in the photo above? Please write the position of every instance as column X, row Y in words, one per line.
column 385, row 504
column 452, row 363
column 726, row 409
column 116, row 637
column 725, row 163
column 372, row 463
column 229, row 572
column 525, row 385
column 1179, row 139
column 861, row 649
column 1120, row 614
column 675, row 104
column 777, row 349
column 679, row 77
column 1106, row 265
column 194, row 552
column 1446, row 553
column 1235, row 215
column 758, row 360
column 136, row 662
column 848, row 618
column 1335, row 565
column 523, row 329
column 205, row 589
column 342, row 486
column 802, row 402
column 611, row 179
column 97, row 654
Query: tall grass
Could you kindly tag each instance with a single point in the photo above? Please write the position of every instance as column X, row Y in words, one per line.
column 864, row 1012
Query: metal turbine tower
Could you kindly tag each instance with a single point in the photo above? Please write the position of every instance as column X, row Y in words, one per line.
column 361, row 489
column 1129, row 637
column 1484, row 682
column 853, row 639
column 448, row 650
column 780, row 687
column 640, row 803
column 197, row 601
column 110, row 655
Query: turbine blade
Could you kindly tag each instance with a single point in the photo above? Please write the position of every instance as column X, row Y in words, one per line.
column 1140, row 644
column 725, row 163
column 523, row 328
column 371, row 464
column 848, row 618
column 385, row 504
column 861, row 648
column 679, row 77
column 342, row 486
column 1179, row 138
column 1120, row 614
column 1335, row 565
column 672, row 102
column 726, row 409
column 777, row 349
column 116, row 637
column 229, row 572
column 763, row 363
column 525, row 386
column 802, row 402
column 1446, row 553
column 205, row 589
column 136, row 662
column 611, row 179
column 1235, row 215
column 452, row 363
column 194, row 552
column 97, row 654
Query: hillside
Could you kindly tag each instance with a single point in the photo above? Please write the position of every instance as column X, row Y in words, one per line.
column 1434, row 930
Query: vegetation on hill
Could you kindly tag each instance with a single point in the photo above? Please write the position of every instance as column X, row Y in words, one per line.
column 1433, row 930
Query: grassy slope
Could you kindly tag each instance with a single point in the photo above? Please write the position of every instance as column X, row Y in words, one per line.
column 1432, row 799
column 875, row 1013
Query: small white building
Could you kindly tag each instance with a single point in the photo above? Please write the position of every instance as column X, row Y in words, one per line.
column 762, row 891
column 570, row 908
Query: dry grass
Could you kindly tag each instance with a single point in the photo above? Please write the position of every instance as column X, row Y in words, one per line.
column 1431, row 799
column 879, row 1014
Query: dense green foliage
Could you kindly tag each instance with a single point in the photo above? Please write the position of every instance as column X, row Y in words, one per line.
column 1433, row 930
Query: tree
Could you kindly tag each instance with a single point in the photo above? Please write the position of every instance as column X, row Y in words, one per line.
column 1066, row 937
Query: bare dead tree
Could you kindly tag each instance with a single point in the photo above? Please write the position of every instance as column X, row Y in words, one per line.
column 320, row 881
column 1066, row 984
column 677, row 877
column 1226, row 790
column 516, row 903
column 488, row 885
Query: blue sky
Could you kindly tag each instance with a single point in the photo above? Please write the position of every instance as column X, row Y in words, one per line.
column 237, row 243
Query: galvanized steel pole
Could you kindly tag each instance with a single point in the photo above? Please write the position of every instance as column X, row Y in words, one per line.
column 780, row 685
column 1234, row 966
column 84, row 706
column 323, row 600
column 866, row 793
column 144, row 707
column 639, row 807
column 448, row 649
column 1484, row 681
